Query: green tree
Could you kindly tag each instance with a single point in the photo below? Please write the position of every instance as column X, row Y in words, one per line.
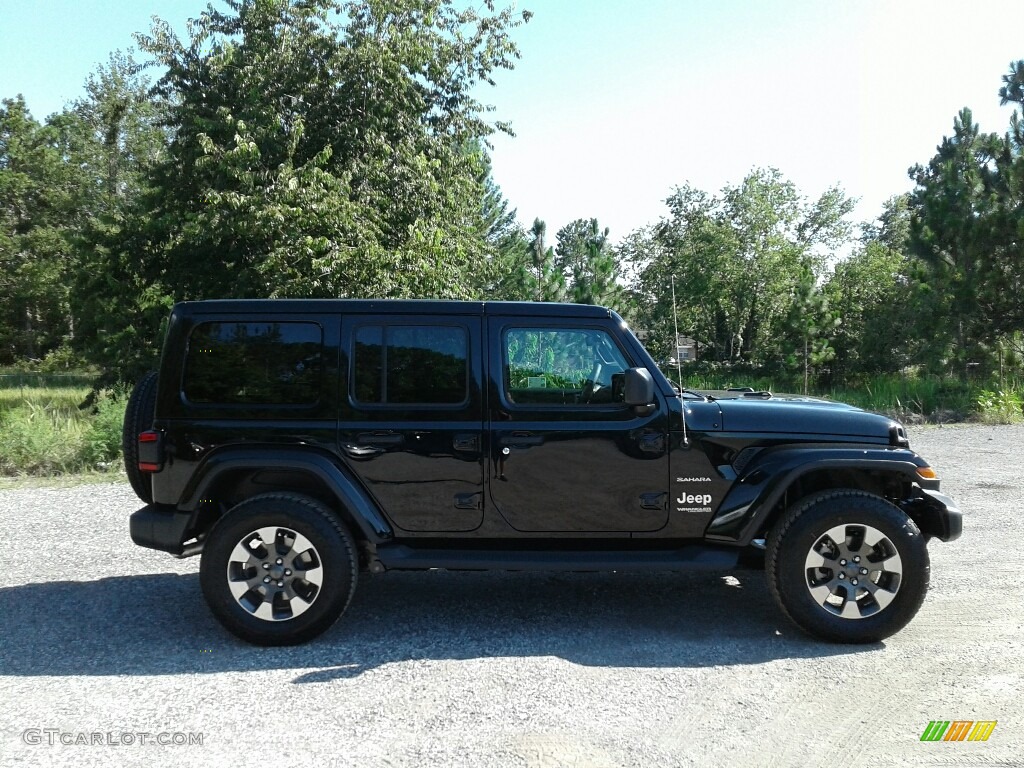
column 42, row 192
column 309, row 157
column 737, row 261
column 873, row 294
column 119, row 133
column 588, row 263
column 954, row 209
column 542, row 278
column 809, row 326
column 892, row 227
column 870, row 292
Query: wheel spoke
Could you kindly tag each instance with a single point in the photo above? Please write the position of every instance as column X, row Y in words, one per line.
column 238, row 588
column 817, row 560
column 835, row 535
column 821, row 594
column 873, row 536
column 850, row 609
column 314, row 576
column 240, row 554
column 304, row 591
column 300, row 544
column 265, row 611
column 887, row 562
column 882, row 595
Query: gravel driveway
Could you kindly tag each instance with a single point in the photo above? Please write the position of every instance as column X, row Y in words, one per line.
column 104, row 643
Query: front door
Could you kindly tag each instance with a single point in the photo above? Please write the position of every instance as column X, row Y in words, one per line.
column 566, row 453
column 411, row 417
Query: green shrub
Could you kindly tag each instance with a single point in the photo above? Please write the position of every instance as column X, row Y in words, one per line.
column 38, row 441
column 103, row 437
column 1002, row 407
column 46, row 438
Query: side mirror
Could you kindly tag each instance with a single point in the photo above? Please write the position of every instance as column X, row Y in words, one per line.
column 639, row 390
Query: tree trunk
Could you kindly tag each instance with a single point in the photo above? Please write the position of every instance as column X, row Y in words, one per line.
column 30, row 334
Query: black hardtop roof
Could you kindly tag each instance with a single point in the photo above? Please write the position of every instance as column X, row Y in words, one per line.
column 389, row 306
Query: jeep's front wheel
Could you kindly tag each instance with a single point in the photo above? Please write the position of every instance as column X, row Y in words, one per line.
column 848, row 566
column 278, row 569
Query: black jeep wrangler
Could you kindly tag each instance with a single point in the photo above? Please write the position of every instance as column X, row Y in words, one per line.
column 297, row 443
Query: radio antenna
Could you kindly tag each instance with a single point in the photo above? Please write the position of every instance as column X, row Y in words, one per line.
column 675, row 323
column 679, row 365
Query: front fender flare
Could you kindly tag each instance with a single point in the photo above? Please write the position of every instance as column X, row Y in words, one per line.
column 756, row 493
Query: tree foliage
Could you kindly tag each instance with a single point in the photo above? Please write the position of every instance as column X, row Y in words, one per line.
column 319, row 149
column 42, row 202
column 541, row 277
column 588, row 264
column 739, row 261
column 873, row 295
column 967, row 238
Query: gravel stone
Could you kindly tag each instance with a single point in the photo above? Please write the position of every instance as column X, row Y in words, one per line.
column 505, row 669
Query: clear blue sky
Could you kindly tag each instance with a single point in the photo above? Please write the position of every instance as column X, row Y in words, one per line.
column 616, row 103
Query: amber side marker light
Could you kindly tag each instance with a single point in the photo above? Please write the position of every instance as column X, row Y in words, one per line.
column 927, row 473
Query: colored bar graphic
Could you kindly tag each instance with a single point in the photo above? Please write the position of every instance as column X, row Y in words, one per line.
column 958, row 730
column 982, row 730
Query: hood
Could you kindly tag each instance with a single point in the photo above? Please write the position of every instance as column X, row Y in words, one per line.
column 803, row 415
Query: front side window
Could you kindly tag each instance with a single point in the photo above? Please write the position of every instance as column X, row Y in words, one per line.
column 578, row 366
column 410, row 365
column 268, row 363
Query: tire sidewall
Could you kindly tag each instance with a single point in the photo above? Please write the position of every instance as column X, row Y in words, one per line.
column 138, row 417
column 334, row 546
column 804, row 531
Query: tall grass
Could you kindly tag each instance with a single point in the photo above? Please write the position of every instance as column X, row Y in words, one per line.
column 911, row 398
column 44, row 430
column 942, row 399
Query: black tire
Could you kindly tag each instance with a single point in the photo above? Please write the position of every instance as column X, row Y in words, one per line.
column 891, row 559
column 299, row 608
column 138, row 417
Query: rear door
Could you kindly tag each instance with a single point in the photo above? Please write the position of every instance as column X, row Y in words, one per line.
column 411, row 417
column 566, row 453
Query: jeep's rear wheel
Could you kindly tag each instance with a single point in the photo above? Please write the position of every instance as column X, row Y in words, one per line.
column 848, row 566
column 138, row 417
column 278, row 569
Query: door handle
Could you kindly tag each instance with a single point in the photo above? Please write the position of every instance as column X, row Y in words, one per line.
column 522, row 441
column 466, row 443
column 654, row 500
column 652, row 443
column 382, row 439
column 468, row 501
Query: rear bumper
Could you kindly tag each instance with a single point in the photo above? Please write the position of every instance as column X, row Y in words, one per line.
column 945, row 520
column 160, row 527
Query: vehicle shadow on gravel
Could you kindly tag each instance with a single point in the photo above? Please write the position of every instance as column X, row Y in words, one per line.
column 159, row 625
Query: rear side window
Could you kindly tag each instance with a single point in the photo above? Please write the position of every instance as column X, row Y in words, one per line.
column 410, row 365
column 254, row 363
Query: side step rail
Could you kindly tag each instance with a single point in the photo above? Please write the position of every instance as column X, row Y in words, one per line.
column 687, row 557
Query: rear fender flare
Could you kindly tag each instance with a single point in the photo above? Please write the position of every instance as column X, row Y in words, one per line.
column 347, row 493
